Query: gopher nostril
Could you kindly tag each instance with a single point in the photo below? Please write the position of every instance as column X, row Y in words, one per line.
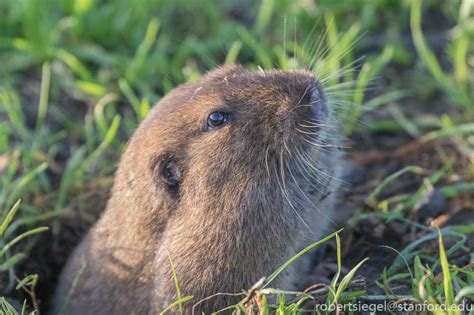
column 319, row 106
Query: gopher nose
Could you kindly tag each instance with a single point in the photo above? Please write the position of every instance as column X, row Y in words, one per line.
column 313, row 100
column 318, row 102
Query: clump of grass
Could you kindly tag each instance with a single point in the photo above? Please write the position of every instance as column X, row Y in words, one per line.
column 258, row 297
column 8, row 308
column 445, row 291
column 9, row 260
column 432, row 291
column 263, row 299
column 456, row 83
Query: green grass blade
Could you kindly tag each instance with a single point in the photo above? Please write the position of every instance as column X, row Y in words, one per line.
column 140, row 55
column 182, row 300
column 466, row 291
column 368, row 72
column 402, row 257
column 30, row 280
column 346, row 280
column 447, row 282
column 20, row 237
column 68, row 177
column 460, row 129
column 176, row 282
column 10, row 103
column 44, row 96
column 331, row 295
column 74, row 284
column 371, row 199
column 427, row 56
column 76, row 66
column 10, row 262
column 131, row 97
column 233, row 52
column 250, row 40
column 7, row 307
column 10, row 215
column 292, row 259
column 109, row 137
column 264, row 15
column 25, row 180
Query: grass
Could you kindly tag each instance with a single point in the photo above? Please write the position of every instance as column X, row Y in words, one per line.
column 81, row 75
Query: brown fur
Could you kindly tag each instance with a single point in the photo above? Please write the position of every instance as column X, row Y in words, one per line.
column 235, row 217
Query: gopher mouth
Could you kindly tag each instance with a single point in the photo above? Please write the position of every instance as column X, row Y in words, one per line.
column 318, row 177
column 317, row 188
column 314, row 185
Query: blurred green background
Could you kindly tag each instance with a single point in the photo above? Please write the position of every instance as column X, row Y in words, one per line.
column 77, row 76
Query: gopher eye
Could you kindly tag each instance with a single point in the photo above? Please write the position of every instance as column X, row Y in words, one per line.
column 217, row 119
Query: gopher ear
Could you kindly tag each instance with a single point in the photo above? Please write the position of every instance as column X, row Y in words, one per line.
column 167, row 172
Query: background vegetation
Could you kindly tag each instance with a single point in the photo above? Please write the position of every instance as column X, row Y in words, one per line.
column 78, row 76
